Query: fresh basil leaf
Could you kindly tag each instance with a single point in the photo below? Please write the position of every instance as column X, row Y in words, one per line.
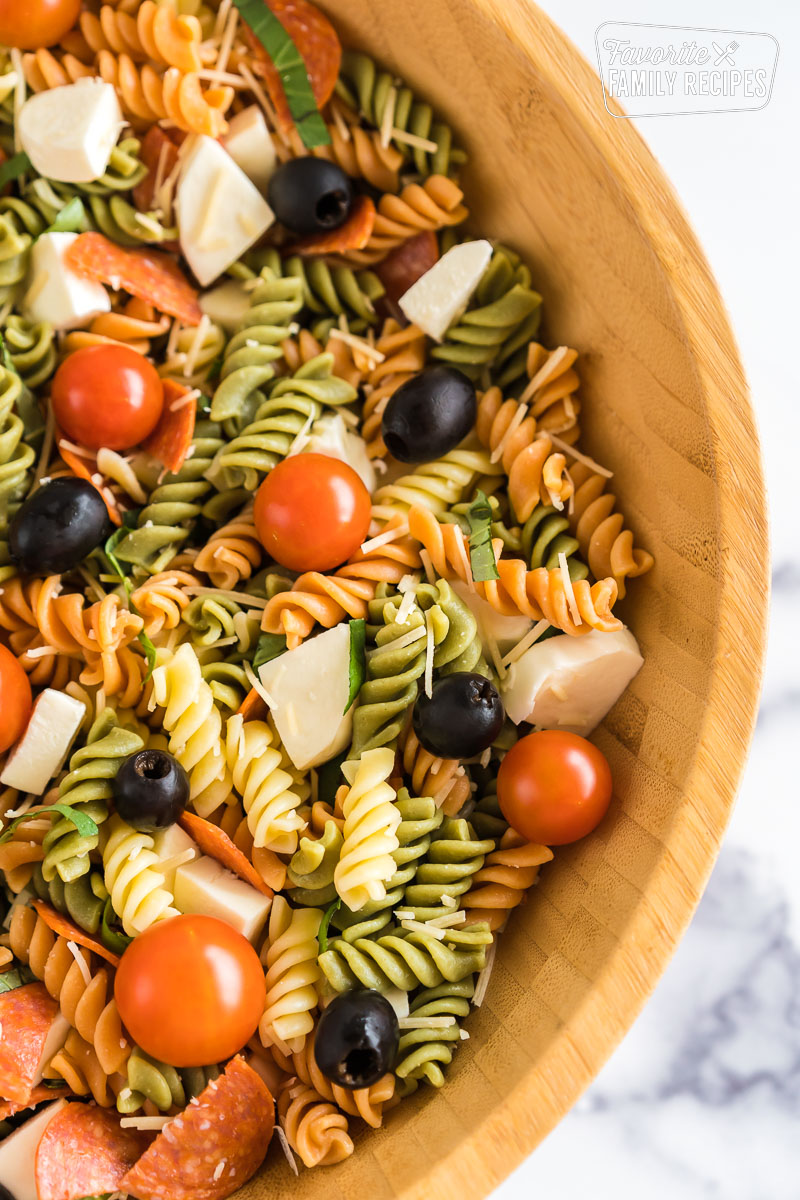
column 481, row 550
column 10, row 980
column 358, row 660
column 330, row 779
column 15, row 167
column 322, row 936
column 109, row 549
column 288, row 62
column 113, row 939
column 270, row 645
column 71, row 219
column 84, row 824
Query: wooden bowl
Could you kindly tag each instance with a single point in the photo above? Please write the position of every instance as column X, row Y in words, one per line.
column 666, row 407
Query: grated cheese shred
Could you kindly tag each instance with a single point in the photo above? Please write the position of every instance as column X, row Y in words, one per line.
column 569, row 589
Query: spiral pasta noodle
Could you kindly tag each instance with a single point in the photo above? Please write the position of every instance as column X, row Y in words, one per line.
column 156, row 33
column 551, row 391
column 420, row 207
column 436, row 485
column 233, row 552
column 404, row 357
column 315, row 1129
column 147, row 97
column 266, row 790
column 82, row 899
column 370, row 830
column 90, row 1007
column 456, row 854
column 134, row 325
column 311, row 868
column 501, row 883
column 366, row 1103
column 161, row 601
column 545, row 536
column 45, row 69
column 195, row 727
column 78, row 1064
column 406, row 959
column 132, row 878
column 423, row 1052
column 22, row 851
column 290, row 956
column 31, row 349
column 443, row 779
column 361, row 154
column 535, row 473
column 16, row 460
column 15, row 246
column 605, row 543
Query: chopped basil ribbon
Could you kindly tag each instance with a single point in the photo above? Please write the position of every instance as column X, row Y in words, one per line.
column 322, row 936
column 269, row 646
column 85, row 826
column 358, row 660
column 15, row 167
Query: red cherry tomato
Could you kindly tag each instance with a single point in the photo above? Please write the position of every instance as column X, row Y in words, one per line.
column 312, row 512
column 107, row 396
column 190, row 991
column 31, row 24
column 15, row 700
column 554, row 787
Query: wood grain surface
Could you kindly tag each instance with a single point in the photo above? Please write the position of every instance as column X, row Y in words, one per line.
column 666, row 407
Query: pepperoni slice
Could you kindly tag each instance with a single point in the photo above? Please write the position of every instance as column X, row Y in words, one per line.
column 147, row 274
column 253, row 707
column 214, row 842
column 39, row 1094
column 157, row 148
column 214, row 1147
column 26, row 1015
column 65, row 928
column 353, row 235
column 170, row 440
column 84, row 1151
column 319, row 45
column 405, row 265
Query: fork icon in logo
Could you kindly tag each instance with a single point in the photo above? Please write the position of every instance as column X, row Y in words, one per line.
column 726, row 55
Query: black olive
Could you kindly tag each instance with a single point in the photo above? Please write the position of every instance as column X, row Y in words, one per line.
column 5, row 1194
column 462, row 716
column 356, row 1040
column 57, row 527
column 310, row 195
column 429, row 415
column 151, row 790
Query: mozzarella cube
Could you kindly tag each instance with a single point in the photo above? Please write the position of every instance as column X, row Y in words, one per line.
column 41, row 751
column 69, row 132
column 226, row 305
column 18, row 1154
column 174, row 847
column 441, row 295
column 506, row 631
column 220, row 212
column 309, row 688
column 250, row 146
column 55, row 293
column 331, row 437
column 205, row 887
column 571, row 683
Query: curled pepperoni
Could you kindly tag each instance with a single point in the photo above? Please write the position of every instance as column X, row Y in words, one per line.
column 26, row 1015
column 84, row 1151
column 353, row 235
column 147, row 274
column 214, row 842
column 405, row 265
column 170, row 440
column 62, row 926
column 213, row 1147
column 319, row 45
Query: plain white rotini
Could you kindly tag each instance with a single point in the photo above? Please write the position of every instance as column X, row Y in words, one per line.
column 194, row 724
column 267, row 791
column 290, row 956
column 370, row 821
column 135, row 884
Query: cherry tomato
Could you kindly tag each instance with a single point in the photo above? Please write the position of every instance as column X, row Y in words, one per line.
column 31, row 24
column 190, row 991
column 312, row 512
column 107, row 396
column 15, row 700
column 554, row 787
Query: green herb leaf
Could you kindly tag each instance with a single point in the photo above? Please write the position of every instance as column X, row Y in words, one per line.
column 109, row 549
column 322, row 936
column 481, row 550
column 10, row 981
column 358, row 660
column 71, row 219
column 330, row 778
column 270, row 645
column 150, row 654
column 113, row 939
column 15, row 167
column 85, row 826
column 288, row 62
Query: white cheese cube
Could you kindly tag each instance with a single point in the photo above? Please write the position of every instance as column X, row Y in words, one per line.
column 41, row 751
column 441, row 295
column 492, row 625
column 330, row 436
column 55, row 293
column 226, row 305
column 571, row 682
column 250, row 146
column 205, row 887
column 174, row 847
column 18, row 1154
column 309, row 688
column 69, row 132
column 220, row 212
column 55, row 1039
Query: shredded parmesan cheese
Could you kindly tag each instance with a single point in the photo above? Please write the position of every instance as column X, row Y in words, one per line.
column 80, row 960
column 357, row 343
column 569, row 589
column 412, row 139
column 517, row 419
column 196, row 346
column 383, row 539
column 425, row 559
column 565, row 448
column 146, row 1123
column 426, row 1022
column 494, row 650
column 406, row 604
column 286, row 1148
column 429, row 648
column 448, row 920
column 483, row 979
column 387, row 124
column 531, row 636
column 407, row 639
column 258, row 685
column 421, row 927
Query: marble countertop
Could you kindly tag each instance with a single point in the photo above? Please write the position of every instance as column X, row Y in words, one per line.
column 702, row 1099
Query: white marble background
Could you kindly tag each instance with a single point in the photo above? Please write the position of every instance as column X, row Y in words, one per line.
column 703, row 1098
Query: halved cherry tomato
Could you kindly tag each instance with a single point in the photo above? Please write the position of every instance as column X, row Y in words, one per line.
column 15, row 699
column 190, row 991
column 312, row 512
column 31, row 24
column 554, row 787
column 107, row 396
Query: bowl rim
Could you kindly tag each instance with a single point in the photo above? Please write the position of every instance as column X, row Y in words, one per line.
column 513, row 1129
